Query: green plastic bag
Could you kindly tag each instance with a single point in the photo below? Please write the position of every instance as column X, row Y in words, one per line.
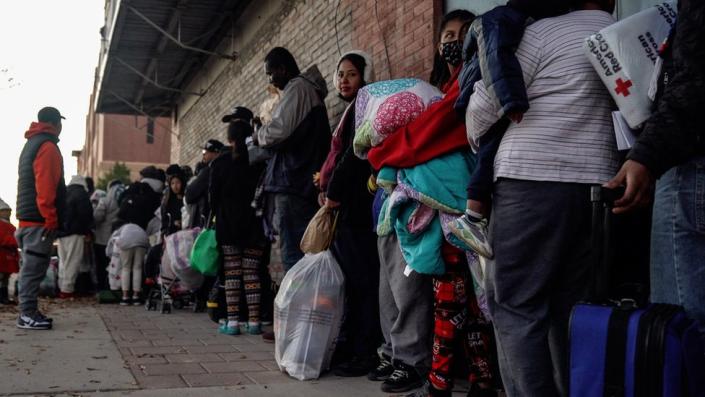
column 205, row 255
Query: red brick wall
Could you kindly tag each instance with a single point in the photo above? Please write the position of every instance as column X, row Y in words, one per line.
column 126, row 139
column 407, row 27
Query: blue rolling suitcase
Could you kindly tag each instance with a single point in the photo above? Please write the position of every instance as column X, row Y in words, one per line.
column 625, row 349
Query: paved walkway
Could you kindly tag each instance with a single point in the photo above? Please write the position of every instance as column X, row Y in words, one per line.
column 111, row 350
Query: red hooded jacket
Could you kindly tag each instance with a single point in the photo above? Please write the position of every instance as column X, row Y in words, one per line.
column 47, row 166
column 437, row 131
column 9, row 257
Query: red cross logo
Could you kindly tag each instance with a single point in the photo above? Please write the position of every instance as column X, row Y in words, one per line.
column 623, row 87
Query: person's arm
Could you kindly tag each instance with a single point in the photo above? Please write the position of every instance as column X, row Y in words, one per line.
column 484, row 110
column 47, row 175
column 670, row 135
column 342, row 175
column 296, row 102
column 198, row 187
column 86, row 209
column 214, row 187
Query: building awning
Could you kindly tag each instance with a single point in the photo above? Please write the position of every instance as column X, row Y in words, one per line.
column 153, row 48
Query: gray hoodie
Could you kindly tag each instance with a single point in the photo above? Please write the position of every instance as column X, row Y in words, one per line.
column 106, row 213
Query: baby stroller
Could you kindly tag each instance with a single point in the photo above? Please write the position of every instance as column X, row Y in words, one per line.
column 176, row 280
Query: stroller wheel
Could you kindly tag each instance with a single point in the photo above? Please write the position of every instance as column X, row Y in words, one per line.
column 166, row 308
column 178, row 304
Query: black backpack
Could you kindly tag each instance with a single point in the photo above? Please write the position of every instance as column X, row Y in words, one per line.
column 139, row 201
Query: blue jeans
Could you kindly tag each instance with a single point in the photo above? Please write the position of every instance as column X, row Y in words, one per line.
column 678, row 239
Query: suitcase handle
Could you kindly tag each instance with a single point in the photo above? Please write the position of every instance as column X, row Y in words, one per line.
column 602, row 199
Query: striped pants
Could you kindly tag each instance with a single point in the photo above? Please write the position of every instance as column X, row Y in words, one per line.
column 241, row 269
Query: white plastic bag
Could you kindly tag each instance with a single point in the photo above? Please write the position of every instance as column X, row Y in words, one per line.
column 308, row 311
column 625, row 55
column 178, row 250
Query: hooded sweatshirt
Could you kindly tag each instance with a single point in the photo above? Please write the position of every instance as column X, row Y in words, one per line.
column 298, row 135
column 49, row 185
column 106, row 213
column 78, row 219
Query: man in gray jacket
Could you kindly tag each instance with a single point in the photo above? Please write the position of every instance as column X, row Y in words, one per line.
column 299, row 138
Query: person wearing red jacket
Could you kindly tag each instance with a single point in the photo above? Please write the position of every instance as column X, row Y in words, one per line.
column 9, row 259
column 41, row 196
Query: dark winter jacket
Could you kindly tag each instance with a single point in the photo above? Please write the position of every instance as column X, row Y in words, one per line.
column 232, row 187
column 488, row 52
column 171, row 214
column 196, row 196
column 675, row 132
column 78, row 212
column 348, row 182
column 41, row 190
column 298, row 136
column 139, row 203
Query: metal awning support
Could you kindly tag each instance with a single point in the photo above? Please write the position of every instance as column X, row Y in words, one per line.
column 142, row 112
column 175, row 40
column 154, row 83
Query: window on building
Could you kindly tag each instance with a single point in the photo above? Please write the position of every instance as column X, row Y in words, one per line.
column 625, row 8
column 150, row 130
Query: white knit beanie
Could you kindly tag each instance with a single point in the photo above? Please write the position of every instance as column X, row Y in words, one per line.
column 369, row 74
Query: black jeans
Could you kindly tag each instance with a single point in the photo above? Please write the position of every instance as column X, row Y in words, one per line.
column 482, row 179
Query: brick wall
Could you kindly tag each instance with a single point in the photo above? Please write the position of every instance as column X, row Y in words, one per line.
column 308, row 29
column 407, row 28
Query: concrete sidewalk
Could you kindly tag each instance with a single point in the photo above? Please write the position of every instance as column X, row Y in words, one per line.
column 109, row 350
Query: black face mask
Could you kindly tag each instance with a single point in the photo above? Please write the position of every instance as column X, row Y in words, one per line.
column 452, row 52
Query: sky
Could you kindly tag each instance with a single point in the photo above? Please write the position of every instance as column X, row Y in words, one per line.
column 50, row 50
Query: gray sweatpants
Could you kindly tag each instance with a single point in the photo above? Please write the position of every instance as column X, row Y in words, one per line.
column 541, row 237
column 35, row 261
column 405, row 308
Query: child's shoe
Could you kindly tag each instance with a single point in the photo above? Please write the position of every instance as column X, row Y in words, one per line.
column 474, row 234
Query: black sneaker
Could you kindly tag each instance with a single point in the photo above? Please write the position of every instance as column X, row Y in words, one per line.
column 383, row 371
column 403, row 379
column 125, row 302
column 33, row 321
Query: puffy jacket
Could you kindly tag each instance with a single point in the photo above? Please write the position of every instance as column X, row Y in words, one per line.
column 41, row 190
column 196, row 198
column 106, row 213
column 489, row 56
column 78, row 218
column 139, row 202
column 9, row 256
column 298, row 136
column 675, row 132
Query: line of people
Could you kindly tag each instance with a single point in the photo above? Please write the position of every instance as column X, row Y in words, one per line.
column 531, row 123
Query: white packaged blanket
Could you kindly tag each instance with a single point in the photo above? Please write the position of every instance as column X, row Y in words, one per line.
column 625, row 54
column 382, row 108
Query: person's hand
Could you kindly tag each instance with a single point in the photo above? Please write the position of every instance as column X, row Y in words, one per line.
column 177, row 224
column 638, row 183
column 321, row 199
column 516, row 117
column 49, row 234
column 331, row 204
